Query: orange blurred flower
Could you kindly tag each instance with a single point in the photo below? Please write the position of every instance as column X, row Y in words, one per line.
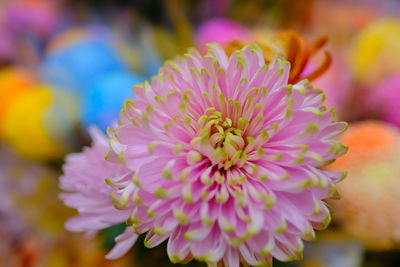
column 296, row 49
column 368, row 209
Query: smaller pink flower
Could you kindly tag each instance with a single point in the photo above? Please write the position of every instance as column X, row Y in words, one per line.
column 84, row 179
column 221, row 31
column 383, row 101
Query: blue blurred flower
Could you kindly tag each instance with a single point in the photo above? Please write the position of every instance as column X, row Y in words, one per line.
column 102, row 101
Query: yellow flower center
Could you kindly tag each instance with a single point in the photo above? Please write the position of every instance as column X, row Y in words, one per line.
column 224, row 139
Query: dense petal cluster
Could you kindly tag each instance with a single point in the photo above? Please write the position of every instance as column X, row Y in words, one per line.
column 226, row 159
column 84, row 180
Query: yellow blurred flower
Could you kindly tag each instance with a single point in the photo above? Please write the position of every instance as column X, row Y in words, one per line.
column 13, row 84
column 34, row 122
column 376, row 51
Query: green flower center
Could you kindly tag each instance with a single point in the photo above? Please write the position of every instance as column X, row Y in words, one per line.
column 223, row 138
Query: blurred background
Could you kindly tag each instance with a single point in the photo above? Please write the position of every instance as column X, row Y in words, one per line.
column 68, row 64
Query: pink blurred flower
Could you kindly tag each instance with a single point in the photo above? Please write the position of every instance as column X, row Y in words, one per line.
column 7, row 49
column 221, row 31
column 84, row 180
column 226, row 159
column 383, row 101
column 368, row 208
column 37, row 16
column 335, row 82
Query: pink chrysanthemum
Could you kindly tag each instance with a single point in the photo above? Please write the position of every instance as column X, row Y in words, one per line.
column 226, row 159
column 84, row 179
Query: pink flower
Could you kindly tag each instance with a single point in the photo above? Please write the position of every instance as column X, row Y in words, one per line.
column 221, row 31
column 7, row 48
column 84, row 180
column 383, row 101
column 39, row 16
column 226, row 158
column 335, row 82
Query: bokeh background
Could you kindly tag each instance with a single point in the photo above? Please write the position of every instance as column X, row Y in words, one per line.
column 68, row 64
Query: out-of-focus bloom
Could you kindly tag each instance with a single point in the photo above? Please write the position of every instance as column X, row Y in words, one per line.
column 84, row 180
column 32, row 220
column 25, row 25
column 72, row 35
column 383, row 101
column 102, row 102
column 40, row 123
column 335, row 82
column 136, row 52
column 355, row 15
column 375, row 53
column 7, row 49
column 368, row 208
column 80, row 59
column 221, row 31
column 31, row 16
column 226, row 158
column 13, row 84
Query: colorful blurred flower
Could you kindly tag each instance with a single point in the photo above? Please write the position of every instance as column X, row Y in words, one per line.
column 226, row 158
column 27, row 17
column 221, row 31
column 336, row 82
column 13, row 84
column 7, row 49
column 101, row 103
column 383, row 101
column 375, row 52
column 78, row 58
column 40, row 123
column 368, row 208
column 354, row 16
